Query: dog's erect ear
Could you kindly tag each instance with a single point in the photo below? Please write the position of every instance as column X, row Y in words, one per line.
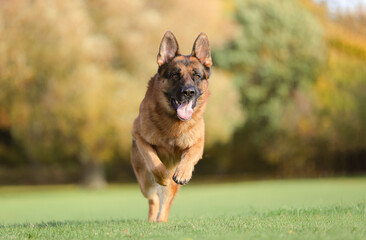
column 201, row 50
column 168, row 48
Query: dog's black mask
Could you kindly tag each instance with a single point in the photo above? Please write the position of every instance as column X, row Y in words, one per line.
column 184, row 100
column 184, row 75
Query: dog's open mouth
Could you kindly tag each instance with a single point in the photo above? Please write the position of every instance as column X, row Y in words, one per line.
column 184, row 109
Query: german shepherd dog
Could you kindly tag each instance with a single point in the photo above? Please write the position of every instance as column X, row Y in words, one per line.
column 168, row 134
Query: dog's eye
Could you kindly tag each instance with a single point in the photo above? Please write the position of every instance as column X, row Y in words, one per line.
column 175, row 76
column 197, row 77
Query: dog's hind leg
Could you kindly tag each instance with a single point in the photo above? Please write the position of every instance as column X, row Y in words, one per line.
column 166, row 196
column 146, row 181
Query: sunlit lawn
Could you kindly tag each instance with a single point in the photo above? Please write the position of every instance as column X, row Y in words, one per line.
column 293, row 209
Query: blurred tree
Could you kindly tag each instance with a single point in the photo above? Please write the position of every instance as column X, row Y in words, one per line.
column 73, row 74
column 278, row 52
column 61, row 94
column 323, row 127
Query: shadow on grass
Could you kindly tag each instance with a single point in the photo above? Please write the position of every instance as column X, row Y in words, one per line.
column 71, row 222
column 357, row 208
column 339, row 209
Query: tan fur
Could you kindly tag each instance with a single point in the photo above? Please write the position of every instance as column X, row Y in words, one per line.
column 163, row 146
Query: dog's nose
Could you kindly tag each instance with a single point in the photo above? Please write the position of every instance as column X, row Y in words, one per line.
column 188, row 91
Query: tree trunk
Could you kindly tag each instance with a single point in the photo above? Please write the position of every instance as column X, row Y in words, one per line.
column 93, row 175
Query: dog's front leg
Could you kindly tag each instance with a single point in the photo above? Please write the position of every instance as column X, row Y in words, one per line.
column 190, row 157
column 157, row 168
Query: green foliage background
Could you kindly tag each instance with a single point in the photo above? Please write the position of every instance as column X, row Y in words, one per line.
column 287, row 86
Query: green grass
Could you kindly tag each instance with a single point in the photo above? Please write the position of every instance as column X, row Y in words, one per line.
column 288, row 209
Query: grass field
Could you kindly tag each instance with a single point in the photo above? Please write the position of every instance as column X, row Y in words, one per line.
column 287, row 209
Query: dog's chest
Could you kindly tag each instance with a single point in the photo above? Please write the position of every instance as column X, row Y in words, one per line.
column 172, row 144
column 169, row 156
column 172, row 138
column 170, row 149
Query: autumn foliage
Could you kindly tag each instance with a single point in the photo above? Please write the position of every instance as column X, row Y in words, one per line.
column 288, row 85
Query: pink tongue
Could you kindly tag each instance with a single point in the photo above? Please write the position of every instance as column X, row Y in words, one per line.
column 185, row 110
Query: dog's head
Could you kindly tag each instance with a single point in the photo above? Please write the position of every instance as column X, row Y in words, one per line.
column 183, row 78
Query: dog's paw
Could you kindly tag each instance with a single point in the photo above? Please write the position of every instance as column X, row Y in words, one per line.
column 161, row 175
column 182, row 175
